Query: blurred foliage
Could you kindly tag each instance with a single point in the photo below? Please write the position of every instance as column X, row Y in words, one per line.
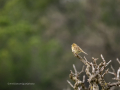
column 35, row 39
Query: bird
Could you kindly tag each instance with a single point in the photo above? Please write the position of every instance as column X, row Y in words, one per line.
column 76, row 49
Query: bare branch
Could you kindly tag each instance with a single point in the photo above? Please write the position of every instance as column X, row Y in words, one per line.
column 80, row 88
column 94, row 60
column 97, row 75
column 87, row 71
column 87, row 61
column 105, row 72
column 83, row 78
column 101, row 64
column 108, row 63
column 75, row 69
column 112, row 68
column 78, row 56
column 111, row 72
column 81, row 70
column 118, row 72
column 74, row 77
column 102, row 58
column 118, row 60
column 93, row 69
column 113, row 84
column 70, row 84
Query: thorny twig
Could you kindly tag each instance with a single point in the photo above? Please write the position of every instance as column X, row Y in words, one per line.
column 97, row 75
column 78, row 83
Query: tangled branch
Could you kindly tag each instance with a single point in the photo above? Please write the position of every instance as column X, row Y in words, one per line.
column 96, row 76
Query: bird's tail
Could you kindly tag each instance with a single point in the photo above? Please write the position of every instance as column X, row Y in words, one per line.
column 85, row 53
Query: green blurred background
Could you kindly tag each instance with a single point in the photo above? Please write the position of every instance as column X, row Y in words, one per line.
column 36, row 38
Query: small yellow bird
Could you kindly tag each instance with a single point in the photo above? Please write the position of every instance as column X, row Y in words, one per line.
column 76, row 49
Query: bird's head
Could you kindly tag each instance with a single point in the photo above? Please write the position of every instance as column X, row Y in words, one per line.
column 74, row 44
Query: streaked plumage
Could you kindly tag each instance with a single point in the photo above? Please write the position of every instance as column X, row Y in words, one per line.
column 76, row 49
